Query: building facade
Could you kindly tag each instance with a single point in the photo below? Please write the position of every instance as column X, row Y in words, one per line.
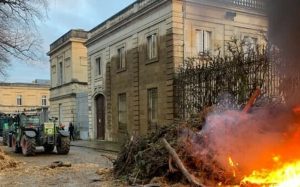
column 68, row 92
column 20, row 97
column 134, row 55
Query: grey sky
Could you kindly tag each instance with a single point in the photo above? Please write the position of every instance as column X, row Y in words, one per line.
column 64, row 15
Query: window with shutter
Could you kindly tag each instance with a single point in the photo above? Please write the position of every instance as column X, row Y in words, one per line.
column 250, row 43
column 121, row 60
column 152, row 107
column 122, row 112
column 152, row 46
column 98, row 66
column 19, row 100
column 204, row 41
column 60, row 76
column 44, row 100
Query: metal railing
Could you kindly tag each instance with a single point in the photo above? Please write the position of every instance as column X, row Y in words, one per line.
column 256, row 4
column 205, row 82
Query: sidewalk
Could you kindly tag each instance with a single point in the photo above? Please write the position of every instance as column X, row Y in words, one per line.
column 98, row 145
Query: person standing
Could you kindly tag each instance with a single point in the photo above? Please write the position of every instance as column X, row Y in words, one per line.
column 71, row 130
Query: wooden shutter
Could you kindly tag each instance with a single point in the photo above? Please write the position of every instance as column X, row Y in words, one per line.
column 200, row 41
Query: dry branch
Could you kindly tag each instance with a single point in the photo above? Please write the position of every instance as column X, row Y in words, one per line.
column 251, row 101
column 180, row 165
column 171, row 168
column 128, row 159
column 59, row 164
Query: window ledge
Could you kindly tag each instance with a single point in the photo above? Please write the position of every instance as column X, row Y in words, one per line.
column 121, row 70
column 151, row 61
column 98, row 76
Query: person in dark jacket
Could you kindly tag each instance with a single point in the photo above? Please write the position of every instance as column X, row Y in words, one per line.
column 71, row 130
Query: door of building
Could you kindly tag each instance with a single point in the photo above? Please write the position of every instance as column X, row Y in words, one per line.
column 100, row 117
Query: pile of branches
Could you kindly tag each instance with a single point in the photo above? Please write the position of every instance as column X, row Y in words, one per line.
column 143, row 159
column 201, row 160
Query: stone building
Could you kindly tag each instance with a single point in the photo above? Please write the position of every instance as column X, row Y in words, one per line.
column 19, row 97
column 133, row 56
column 68, row 92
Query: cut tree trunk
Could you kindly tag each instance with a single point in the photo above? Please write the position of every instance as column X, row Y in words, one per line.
column 192, row 180
column 251, row 101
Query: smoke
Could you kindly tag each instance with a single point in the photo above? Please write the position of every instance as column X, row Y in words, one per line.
column 252, row 140
column 284, row 27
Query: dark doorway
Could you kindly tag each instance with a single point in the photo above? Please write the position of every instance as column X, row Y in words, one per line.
column 100, row 116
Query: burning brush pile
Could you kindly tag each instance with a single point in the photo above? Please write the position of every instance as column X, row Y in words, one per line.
column 220, row 148
column 6, row 162
column 258, row 148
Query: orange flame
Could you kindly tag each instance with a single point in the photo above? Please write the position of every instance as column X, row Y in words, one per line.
column 233, row 166
column 287, row 170
column 296, row 109
column 276, row 158
column 286, row 176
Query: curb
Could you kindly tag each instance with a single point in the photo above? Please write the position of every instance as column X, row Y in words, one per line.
column 95, row 148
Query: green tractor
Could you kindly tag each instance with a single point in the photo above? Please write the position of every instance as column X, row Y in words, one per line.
column 4, row 123
column 30, row 131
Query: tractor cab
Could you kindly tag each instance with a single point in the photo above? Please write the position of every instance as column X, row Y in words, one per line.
column 30, row 121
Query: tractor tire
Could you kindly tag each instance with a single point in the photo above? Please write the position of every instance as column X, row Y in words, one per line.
column 48, row 148
column 4, row 140
column 28, row 146
column 14, row 145
column 63, row 145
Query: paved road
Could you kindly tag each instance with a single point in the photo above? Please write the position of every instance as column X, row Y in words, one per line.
column 34, row 171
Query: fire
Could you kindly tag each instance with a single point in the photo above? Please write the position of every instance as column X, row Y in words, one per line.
column 296, row 109
column 285, row 171
column 286, row 176
column 231, row 163
column 276, row 158
column 260, row 148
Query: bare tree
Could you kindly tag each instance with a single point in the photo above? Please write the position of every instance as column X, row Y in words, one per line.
column 19, row 37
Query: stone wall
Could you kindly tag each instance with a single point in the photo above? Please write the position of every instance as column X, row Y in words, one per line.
column 138, row 76
column 68, row 105
column 31, row 97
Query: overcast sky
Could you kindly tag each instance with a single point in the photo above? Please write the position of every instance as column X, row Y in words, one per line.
column 64, row 15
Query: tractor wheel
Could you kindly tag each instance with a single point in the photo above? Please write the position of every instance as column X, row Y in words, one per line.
column 14, row 144
column 4, row 140
column 48, row 148
column 28, row 146
column 63, row 145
